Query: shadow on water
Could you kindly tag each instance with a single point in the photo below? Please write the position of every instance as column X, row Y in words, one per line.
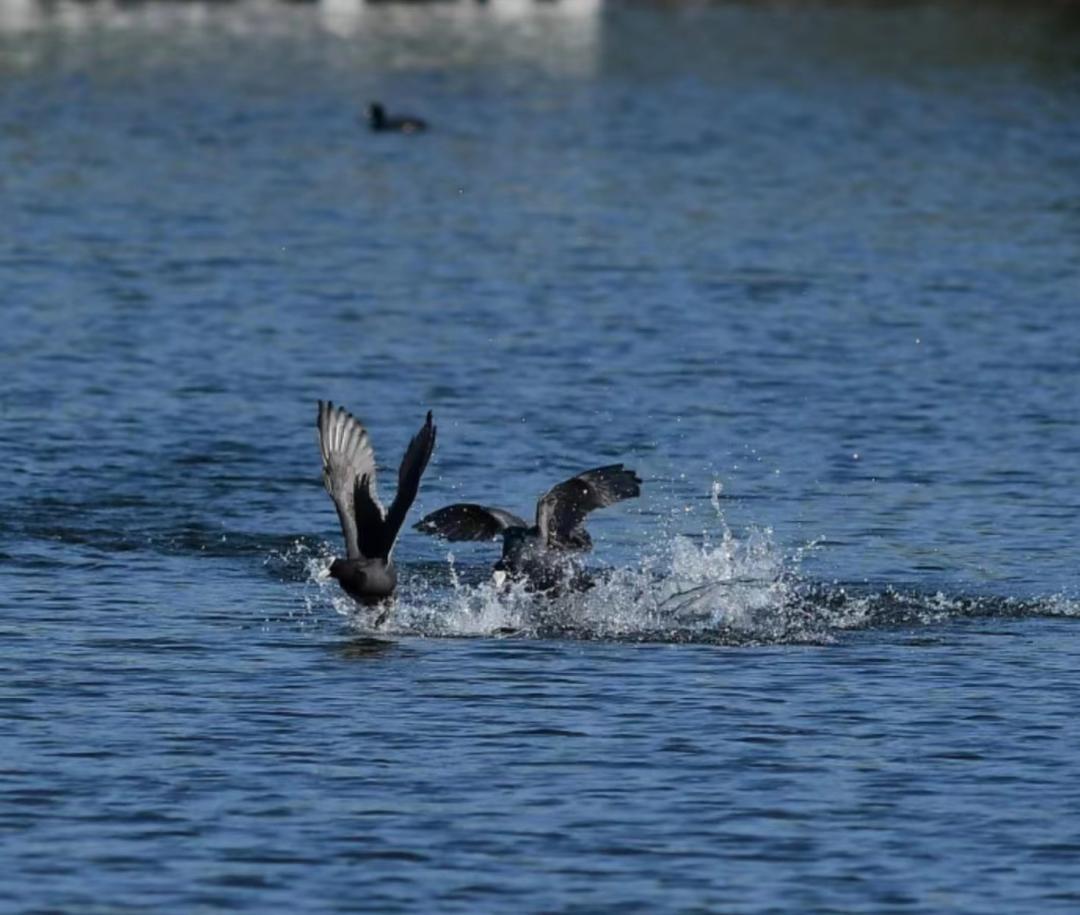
column 366, row 648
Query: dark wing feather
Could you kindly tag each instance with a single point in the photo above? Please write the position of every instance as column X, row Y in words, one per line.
column 411, row 470
column 561, row 512
column 370, row 523
column 468, row 521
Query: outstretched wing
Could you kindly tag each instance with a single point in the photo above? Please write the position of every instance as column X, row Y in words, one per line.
column 467, row 521
column 411, row 470
column 561, row 512
column 348, row 459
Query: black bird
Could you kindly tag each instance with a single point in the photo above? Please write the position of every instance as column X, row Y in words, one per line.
column 379, row 120
column 367, row 572
column 540, row 554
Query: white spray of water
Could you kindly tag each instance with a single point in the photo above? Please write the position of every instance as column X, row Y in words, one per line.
column 716, row 587
column 680, row 588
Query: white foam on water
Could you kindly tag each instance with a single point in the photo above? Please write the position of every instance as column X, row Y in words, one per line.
column 680, row 588
column 714, row 587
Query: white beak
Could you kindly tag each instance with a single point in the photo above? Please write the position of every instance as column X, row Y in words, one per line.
column 499, row 577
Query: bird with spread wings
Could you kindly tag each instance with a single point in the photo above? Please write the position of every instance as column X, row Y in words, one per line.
column 367, row 572
column 539, row 553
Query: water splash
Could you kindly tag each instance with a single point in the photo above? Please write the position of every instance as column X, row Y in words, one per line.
column 715, row 588
column 683, row 589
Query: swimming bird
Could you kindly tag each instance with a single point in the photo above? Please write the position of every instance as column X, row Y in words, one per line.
column 540, row 554
column 367, row 572
column 379, row 120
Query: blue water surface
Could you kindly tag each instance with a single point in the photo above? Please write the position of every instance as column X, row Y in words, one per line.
column 811, row 270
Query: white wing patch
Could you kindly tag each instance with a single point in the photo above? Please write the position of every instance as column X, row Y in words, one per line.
column 347, row 457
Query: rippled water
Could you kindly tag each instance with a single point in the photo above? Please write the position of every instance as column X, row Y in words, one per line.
column 811, row 270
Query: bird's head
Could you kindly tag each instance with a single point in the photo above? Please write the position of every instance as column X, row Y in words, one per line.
column 515, row 548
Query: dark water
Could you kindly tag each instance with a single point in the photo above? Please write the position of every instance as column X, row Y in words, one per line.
column 812, row 271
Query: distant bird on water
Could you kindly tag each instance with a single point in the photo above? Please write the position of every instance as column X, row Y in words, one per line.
column 367, row 572
column 379, row 120
column 539, row 554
